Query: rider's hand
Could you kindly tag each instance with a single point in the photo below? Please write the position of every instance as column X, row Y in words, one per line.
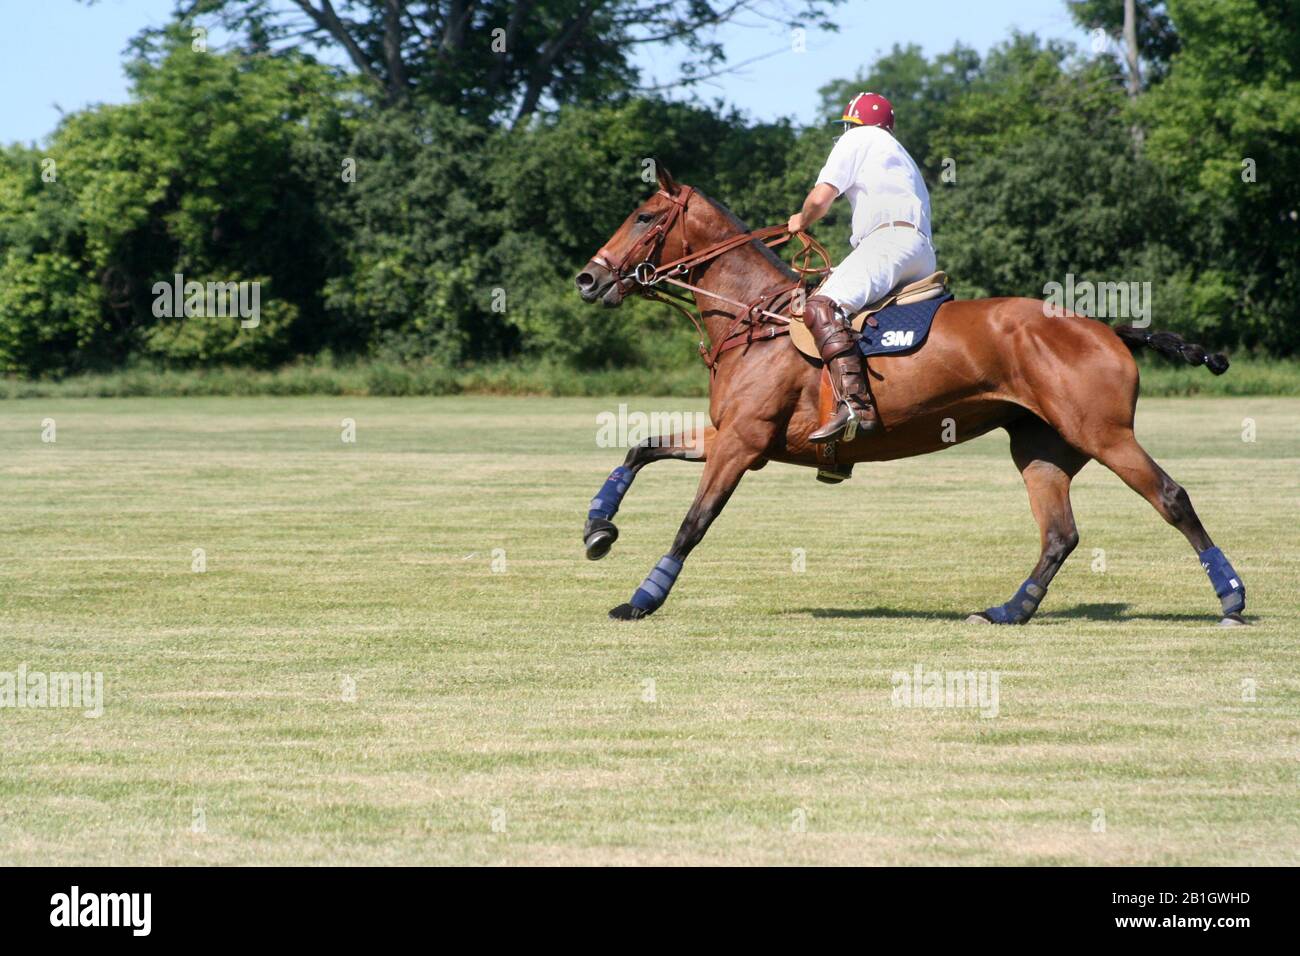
column 796, row 222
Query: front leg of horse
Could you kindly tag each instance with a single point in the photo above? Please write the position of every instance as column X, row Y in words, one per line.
column 728, row 461
column 600, row 532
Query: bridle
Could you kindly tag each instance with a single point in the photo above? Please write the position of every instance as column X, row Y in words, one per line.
column 757, row 320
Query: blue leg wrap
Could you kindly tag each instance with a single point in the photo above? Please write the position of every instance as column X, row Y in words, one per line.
column 605, row 504
column 1227, row 585
column 654, row 589
column 1021, row 607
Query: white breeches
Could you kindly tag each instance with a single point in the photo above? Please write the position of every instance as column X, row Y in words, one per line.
column 887, row 258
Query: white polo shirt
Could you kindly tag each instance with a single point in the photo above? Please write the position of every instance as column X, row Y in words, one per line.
column 880, row 180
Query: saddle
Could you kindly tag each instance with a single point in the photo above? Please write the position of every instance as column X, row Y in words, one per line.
column 830, row 469
column 931, row 287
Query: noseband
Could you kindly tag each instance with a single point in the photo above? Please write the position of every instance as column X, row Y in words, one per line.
column 760, row 319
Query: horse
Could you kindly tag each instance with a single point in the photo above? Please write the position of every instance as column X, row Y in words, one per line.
column 1064, row 389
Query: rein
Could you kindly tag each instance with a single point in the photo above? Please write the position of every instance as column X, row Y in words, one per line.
column 645, row 275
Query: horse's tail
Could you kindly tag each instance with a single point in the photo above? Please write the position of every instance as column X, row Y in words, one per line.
column 1172, row 346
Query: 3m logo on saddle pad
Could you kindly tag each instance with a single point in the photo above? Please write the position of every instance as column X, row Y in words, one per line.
column 900, row 327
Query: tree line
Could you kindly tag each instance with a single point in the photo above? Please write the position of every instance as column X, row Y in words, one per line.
column 430, row 198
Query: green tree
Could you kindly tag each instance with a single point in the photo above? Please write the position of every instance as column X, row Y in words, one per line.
column 1225, row 125
column 1157, row 40
column 50, row 308
column 499, row 60
column 420, row 230
column 213, row 170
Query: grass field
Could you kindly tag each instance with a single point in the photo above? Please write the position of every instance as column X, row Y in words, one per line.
column 351, row 681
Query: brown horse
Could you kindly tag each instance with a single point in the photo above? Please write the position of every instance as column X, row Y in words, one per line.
column 1063, row 388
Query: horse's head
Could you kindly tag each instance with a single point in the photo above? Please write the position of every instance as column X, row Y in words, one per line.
column 653, row 233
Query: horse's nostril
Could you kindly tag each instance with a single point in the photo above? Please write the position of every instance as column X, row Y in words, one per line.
column 585, row 280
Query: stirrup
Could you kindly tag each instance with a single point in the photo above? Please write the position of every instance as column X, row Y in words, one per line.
column 845, row 432
column 851, row 429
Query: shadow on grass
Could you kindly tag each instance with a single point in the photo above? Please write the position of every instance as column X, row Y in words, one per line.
column 888, row 612
column 1087, row 612
column 1117, row 612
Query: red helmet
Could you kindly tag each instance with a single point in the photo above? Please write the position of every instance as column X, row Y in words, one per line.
column 869, row 109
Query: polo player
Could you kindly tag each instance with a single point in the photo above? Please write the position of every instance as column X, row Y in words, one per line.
column 891, row 245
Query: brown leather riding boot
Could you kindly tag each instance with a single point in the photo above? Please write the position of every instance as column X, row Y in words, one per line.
column 837, row 344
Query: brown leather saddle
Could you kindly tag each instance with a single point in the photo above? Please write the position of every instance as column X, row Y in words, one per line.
column 931, row 287
column 830, row 469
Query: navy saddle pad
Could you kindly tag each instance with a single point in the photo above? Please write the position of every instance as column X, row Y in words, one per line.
column 901, row 327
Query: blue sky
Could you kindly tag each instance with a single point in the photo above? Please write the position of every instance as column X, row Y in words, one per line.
column 63, row 54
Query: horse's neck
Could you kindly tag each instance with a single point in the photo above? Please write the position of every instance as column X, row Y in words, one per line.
column 741, row 275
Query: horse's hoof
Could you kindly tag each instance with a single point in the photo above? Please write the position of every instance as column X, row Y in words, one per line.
column 600, row 537
column 979, row 619
column 626, row 612
column 1234, row 620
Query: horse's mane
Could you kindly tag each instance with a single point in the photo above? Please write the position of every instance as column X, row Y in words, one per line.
column 740, row 226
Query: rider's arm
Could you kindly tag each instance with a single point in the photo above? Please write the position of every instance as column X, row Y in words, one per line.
column 815, row 206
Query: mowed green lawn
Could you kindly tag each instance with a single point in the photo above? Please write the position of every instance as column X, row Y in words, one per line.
column 351, row 681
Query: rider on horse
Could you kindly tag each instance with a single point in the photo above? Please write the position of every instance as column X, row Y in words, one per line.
column 891, row 245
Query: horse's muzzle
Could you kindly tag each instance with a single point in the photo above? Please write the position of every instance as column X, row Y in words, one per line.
column 597, row 282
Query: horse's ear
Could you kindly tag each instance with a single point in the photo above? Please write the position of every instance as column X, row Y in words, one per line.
column 666, row 181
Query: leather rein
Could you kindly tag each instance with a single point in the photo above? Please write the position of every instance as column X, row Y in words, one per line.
column 757, row 320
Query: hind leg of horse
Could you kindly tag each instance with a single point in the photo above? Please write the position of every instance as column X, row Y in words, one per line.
column 1125, row 457
column 600, row 533
column 1047, row 464
column 729, row 459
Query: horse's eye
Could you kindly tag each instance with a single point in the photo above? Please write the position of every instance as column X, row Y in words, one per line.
column 645, row 217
